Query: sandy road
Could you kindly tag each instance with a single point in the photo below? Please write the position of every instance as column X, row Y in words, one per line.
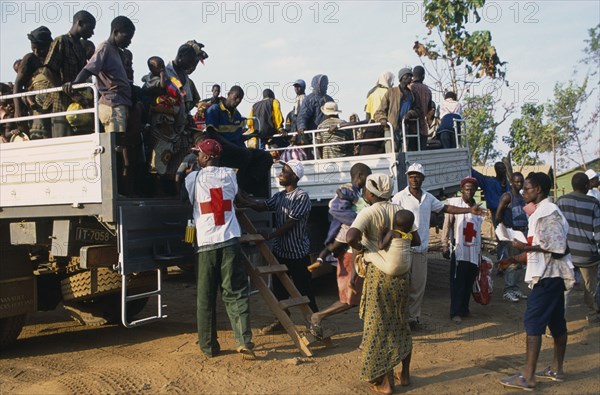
column 55, row 355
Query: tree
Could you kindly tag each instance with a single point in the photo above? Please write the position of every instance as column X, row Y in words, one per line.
column 592, row 50
column 479, row 111
column 529, row 135
column 565, row 111
column 458, row 58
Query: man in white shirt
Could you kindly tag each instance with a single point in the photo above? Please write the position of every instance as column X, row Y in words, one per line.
column 593, row 176
column 212, row 191
column 549, row 273
column 422, row 204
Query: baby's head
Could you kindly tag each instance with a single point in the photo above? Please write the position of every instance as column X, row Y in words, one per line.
column 156, row 65
column 404, row 220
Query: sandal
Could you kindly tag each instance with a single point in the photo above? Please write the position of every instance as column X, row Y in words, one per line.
column 246, row 351
column 517, row 381
column 548, row 373
column 316, row 330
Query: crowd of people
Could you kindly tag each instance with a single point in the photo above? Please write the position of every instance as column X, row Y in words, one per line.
column 380, row 241
column 158, row 122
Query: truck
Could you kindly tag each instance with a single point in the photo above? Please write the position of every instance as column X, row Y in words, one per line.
column 67, row 235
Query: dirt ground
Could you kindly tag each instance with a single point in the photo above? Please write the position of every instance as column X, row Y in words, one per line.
column 55, row 355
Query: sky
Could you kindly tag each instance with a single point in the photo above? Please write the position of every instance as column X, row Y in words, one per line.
column 269, row 44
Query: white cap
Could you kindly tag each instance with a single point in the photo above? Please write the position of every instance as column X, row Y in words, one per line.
column 296, row 166
column 591, row 174
column 416, row 168
column 330, row 108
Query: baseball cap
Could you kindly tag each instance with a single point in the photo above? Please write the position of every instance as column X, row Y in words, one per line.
column 467, row 180
column 416, row 168
column 209, row 147
column 591, row 174
column 300, row 82
column 296, row 166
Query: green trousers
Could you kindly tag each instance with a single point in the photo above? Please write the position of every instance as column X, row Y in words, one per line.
column 222, row 267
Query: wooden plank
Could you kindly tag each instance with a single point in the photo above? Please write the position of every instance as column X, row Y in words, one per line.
column 268, row 269
column 293, row 302
column 300, row 341
column 266, row 252
column 251, row 238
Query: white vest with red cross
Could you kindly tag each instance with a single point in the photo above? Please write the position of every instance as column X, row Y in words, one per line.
column 467, row 233
column 212, row 191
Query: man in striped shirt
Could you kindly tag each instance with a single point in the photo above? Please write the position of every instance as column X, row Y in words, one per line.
column 290, row 238
column 583, row 214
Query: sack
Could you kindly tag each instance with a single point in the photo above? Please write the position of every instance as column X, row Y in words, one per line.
column 360, row 266
column 482, row 288
column 79, row 121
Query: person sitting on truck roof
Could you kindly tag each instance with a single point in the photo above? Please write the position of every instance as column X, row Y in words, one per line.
column 333, row 135
column 224, row 123
column 423, row 94
column 270, row 119
column 30, row 66
column 375, row 95
column 111, row 79
column 65, row 60
column 398, row 105
column 219, row 252
column 310, row 115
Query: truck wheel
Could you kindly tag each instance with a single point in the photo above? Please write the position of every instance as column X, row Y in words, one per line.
column 103, row 311
column 10, row 328
column 103, row 281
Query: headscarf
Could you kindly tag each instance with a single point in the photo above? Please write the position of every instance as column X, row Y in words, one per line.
column 380, row 185
column 198, row 50
column 385, row 80
column 41, row 35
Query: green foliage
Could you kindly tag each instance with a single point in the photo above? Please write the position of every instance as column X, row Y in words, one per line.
column 467, row 56
column 529, row 135
column 481, row 128
column 592, row 49
column 564, row 117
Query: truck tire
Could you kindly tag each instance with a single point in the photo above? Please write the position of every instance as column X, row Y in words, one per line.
column 105, row 310
column 10, row 328
column 81, row 286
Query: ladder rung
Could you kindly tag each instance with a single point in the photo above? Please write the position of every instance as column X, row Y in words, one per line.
column 129, row 298
column 268, row 269
column 287, row 303
column 251, row 238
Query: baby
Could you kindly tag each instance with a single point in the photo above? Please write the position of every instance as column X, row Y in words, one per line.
column 394, row 244
column 157, row 84
column 156, row 77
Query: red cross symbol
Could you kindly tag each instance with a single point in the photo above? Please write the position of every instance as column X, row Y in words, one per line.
column 469, row 232
column 216, row 206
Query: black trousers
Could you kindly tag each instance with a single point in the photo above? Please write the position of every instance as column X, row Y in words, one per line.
column 462, row 277
column 301, row 278
column 253, row 165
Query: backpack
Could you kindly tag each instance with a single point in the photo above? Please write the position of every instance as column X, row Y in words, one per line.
column 482, row 287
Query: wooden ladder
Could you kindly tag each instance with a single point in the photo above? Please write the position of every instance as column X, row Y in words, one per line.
column 275, row 268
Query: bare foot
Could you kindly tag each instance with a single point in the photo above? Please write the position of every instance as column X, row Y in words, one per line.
column 384, row 386
column 403, row 379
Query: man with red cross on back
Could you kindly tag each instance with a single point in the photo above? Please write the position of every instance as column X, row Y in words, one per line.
column 212, row 191
column 464, row 231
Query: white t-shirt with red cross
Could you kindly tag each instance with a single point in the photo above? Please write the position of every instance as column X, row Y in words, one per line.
column 467, row 233
column 212, row 191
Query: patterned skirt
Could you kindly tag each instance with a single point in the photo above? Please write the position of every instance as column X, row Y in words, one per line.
column 386, row 334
